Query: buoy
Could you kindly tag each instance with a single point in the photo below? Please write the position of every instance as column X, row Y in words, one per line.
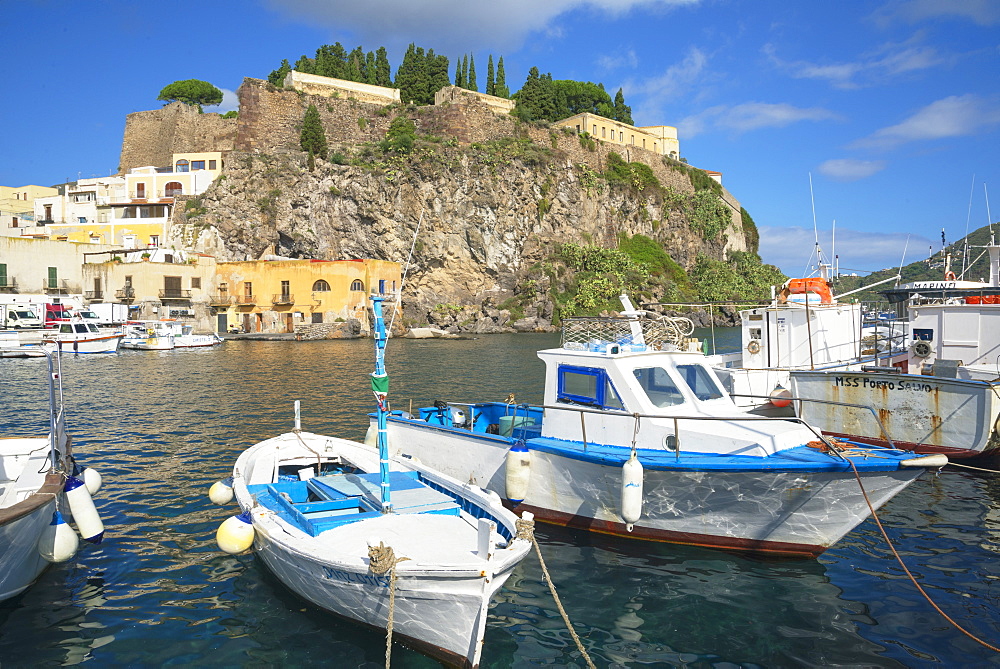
column 85, row 515
column 235, row 535
column 631, row 491
column 58, row 542
column 221, row 492
column 518, row 472
column 780, row 397
column 92, row 479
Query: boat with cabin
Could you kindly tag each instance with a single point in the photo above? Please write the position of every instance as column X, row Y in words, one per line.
column 637, row 438
column 382, row 541
column 147, row 336
column 77, row 336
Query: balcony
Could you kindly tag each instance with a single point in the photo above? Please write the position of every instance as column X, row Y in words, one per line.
column 49, row 289
column 246, row 300
column 175, row 294
column 282, row 298
column 220, row 300
column 8, row 284
column 126, row 294
column 94, row 295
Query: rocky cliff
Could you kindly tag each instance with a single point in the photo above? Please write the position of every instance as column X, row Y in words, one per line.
column 483, row 201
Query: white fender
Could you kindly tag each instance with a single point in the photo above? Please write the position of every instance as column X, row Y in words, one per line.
column 236, row 534
column 85, row 515
column 631, row 491
column 92, row 479
column 221, row 492
column 518, row 472
column 58, row 542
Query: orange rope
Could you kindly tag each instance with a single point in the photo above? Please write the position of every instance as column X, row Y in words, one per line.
column 912, row 579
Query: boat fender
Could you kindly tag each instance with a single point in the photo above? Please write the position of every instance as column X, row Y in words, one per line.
column 780, row 397
column 371, row 436
column 92, row 479
column 58, row 542
column 221, row 492
column 631, row 491
column 85, row 515
column 929, row 461
column 236, row 534
column 518, row 472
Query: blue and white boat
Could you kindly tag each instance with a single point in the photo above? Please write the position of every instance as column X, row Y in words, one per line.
column 636, row 437
column 382, row 541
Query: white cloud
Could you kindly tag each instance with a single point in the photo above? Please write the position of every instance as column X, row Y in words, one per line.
column 450, row 24
column 889, row 60
column 229, row 102
column 751, row 116
column 982, row 12
column 791, row 249
column 848, row 169
column 627, row 59
column 953, row 116
column 658, row 92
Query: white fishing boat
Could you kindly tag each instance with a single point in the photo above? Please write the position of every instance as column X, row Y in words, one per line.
column 13, row 346
column 185, row 336
column 637, row 438
column 147, row 336
column 381, row 541
column 37, row 488
column 80, row 337
column 944, row 396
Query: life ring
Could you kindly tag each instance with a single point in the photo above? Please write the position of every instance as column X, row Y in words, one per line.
column 949, row 276
column 753, row 348
column 151, row 332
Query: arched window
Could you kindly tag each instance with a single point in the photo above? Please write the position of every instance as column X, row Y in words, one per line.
column 357, row 284
column 321, row 286
column 182, row 166
column 173, row 189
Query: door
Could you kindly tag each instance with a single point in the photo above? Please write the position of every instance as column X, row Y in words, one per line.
column 171, row 286
column 246, row 322
column 289, row 323
column 140, row 191
column 220, row 323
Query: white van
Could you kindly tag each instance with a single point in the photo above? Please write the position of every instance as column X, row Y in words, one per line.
column 17, row 316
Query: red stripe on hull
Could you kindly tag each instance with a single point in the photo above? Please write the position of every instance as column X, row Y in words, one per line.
column 922, row 449
column 756, row 546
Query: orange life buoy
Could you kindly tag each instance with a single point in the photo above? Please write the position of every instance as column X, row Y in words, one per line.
column 949, row 276
column 818, row 286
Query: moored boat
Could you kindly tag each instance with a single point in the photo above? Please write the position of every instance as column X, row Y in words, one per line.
column 79, row 337
column 147, row 336
column 637, row 438
column 381, row 541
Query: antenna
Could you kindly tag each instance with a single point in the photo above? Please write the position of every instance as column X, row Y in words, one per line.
column 968, row 217
column 816, row 248
column 899, row 273
column 833, row 243
column 989, row 217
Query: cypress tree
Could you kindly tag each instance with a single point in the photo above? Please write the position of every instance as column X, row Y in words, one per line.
column 355, row 65
column 490, row 79
column 622, row 111
column 383, row 72
column 473, row 84
column 312, row 138
column 458, row 74
column 370, row 68
column 501, row 89
column 437, row 67
column 465, row 71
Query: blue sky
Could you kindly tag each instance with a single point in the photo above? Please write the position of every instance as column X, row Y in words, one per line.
column 892, row 109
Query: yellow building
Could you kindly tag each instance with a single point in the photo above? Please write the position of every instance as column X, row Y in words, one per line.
column 277, row 295
column 17, row 206
column 661, row 139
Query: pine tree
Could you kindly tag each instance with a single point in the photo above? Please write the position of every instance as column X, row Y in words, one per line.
column 312, row 139
column 622, row 112
column 370, row 72
column 277, row 77
column 355, row 65
column 437, row 70
column 501, row 90
column 383, row 72
column 490, row 79
column 473, row 84
column 305, row 65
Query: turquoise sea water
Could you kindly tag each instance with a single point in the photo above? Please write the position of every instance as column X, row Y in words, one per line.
column 163, row 426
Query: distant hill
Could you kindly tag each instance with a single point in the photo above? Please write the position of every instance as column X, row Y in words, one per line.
column 928, row 269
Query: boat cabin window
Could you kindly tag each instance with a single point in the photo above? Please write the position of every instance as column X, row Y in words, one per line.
column 658, row 386
column 80, row 327
column 587, row 385
column 701, row 382
column 65, row 328
column 93, row 328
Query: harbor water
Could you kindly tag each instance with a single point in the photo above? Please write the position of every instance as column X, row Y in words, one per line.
column 162, row 426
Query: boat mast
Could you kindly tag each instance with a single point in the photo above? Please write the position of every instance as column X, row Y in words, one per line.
column 380, row 388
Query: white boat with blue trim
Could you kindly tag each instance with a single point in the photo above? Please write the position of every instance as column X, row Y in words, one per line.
column 381, row 541
column 637, row 438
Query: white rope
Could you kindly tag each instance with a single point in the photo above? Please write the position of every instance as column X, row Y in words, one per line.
column 382, row 559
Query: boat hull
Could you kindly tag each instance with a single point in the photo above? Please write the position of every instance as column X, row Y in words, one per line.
column 21, row 526
column 99, row 344
column 927, row 414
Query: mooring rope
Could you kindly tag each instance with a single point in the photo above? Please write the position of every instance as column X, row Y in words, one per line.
column 526, row 530
column 978, row 469
column 899, row 559
column 382, row 559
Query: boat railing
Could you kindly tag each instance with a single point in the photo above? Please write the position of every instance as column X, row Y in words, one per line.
column 627, row 334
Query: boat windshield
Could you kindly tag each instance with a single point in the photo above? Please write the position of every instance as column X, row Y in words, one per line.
column 700, row 381
column 658, row 386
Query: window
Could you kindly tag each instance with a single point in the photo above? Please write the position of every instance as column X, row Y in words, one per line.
column 53, row 277
column 211, row 164
column 248, row 288
column 223, row 288
column 317, row 318
column 286, row 289
column 173, row 189
column 197, row 165
column 357, row 284
column 658, row 386
column 604, row 133
column 154, row 240
column 196, row 282
column 82, row 220
column 381, row 286
column 587, row 385
column 3, row 275
column 701, row 382
column 182, row 166
column 140, row 191
column 14, row 222
column 321, row 286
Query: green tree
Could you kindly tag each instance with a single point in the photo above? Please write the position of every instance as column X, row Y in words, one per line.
column 192, row 92
column 277, row 77
column 383, row 72
column 580, row 97
column 458, row 75
column 306, row 65
column 537, row 99
column 501, row 90
column 400, row 137
column 355, row 65
column 411, row 74
column 437, row 74
column 491, row 83
column 331, row 61
column 312, row 139
column 622, row 113
column 465, row 71
column 473, row 85
column 370, row 72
